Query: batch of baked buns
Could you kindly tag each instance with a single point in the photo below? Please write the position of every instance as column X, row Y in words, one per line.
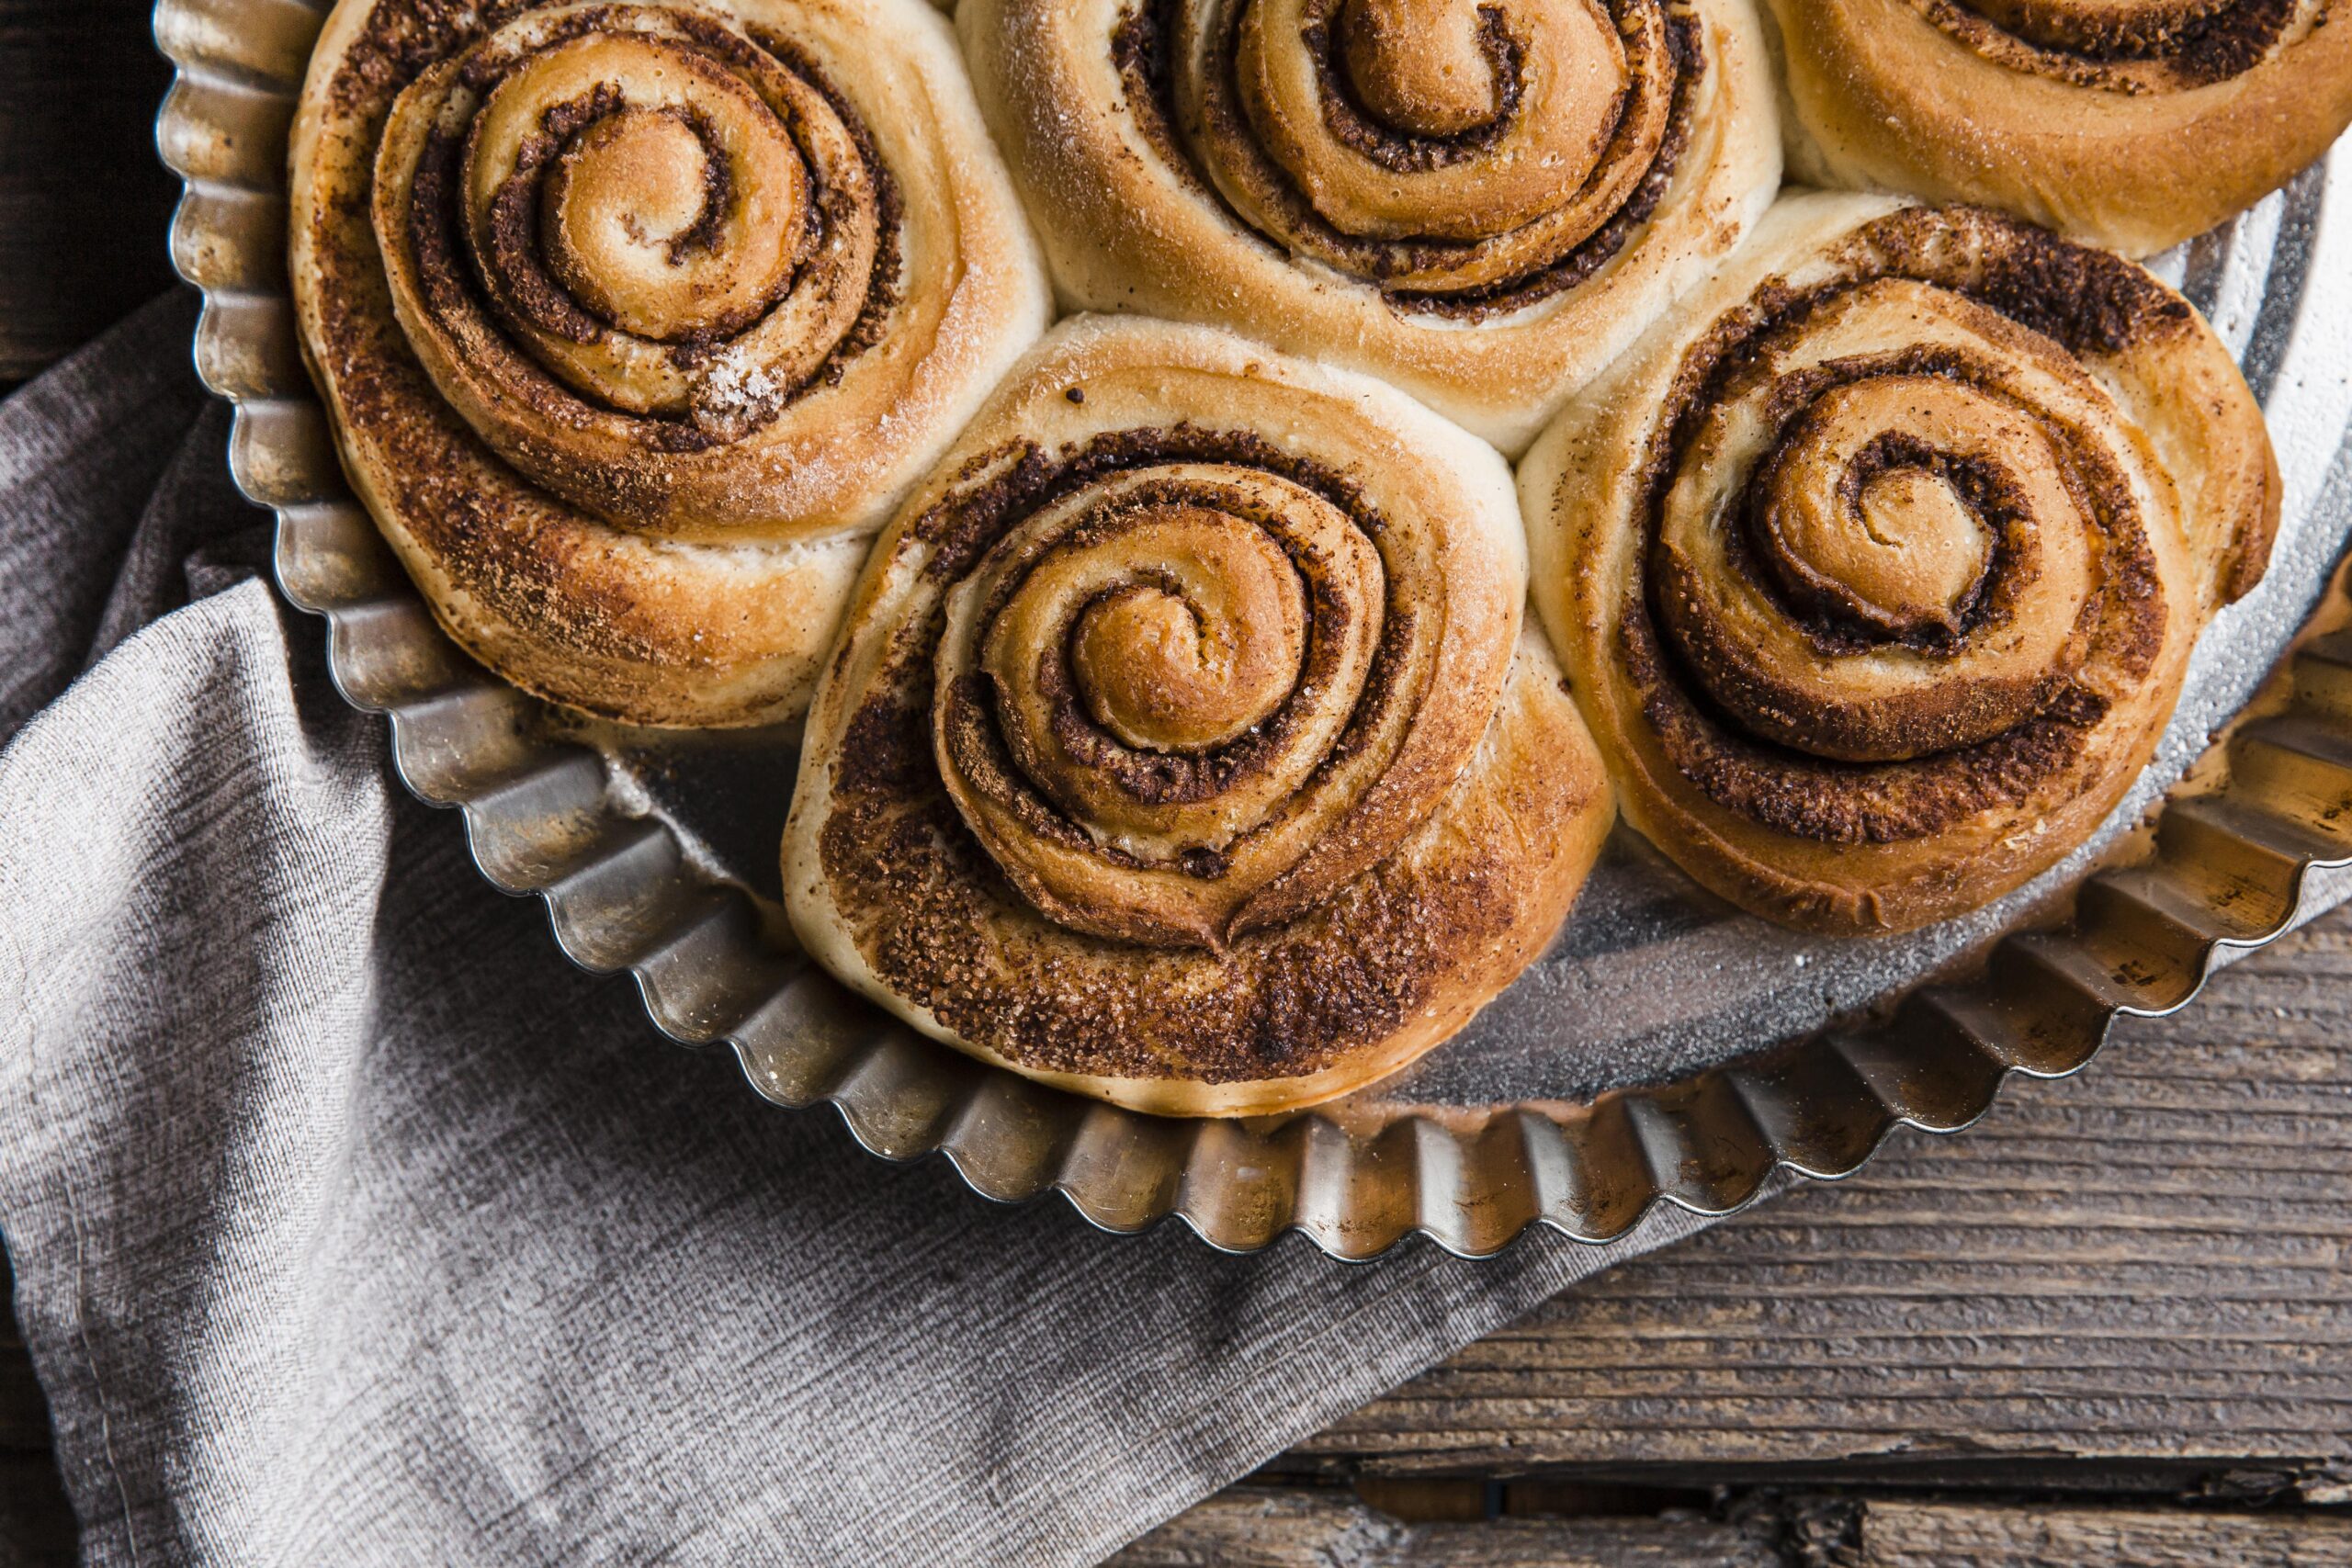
column 1242, row 493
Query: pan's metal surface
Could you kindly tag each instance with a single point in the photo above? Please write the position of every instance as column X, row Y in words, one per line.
column 1623, row 1071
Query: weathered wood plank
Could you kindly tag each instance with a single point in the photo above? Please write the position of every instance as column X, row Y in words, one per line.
column 1297, row 1527
column 1910, row 1535
column 1248, row 1527
column 2151, row 1264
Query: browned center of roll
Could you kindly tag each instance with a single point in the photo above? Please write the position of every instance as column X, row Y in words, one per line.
column 1428, row 68
column 1438, row 146
column 1167, row 696
column 1918, row 569
column 1864, row 517
column 1927, row 553
column 635, row 212
column 1896, row 570
column 668, row 222
column 1197, row 650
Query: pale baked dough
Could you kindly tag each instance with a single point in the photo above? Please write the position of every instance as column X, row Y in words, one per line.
column 634, row 321
column 1482, row 203
column 2130, row 123
column 1184, row 746
column 1876, row 568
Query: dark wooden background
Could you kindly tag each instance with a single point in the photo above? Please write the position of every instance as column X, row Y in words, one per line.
column 2111, row 1324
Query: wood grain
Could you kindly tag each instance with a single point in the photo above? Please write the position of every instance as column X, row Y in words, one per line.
column 1252, row 1527
column 1302, row 1528
column 2143, row 1271
column 83, row 200
column 1904, row 1535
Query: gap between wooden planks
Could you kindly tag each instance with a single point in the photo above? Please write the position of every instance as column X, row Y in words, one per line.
column 1255, row 1527
column 2143, row 1269
column 2108, row 1325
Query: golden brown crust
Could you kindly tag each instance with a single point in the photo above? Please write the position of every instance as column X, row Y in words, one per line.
column 1481, row 203
column 1053, row 810
column 633, row 321
column 1877, row 567
column 2131, row 123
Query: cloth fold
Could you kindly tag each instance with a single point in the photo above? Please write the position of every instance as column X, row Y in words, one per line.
column 351, row 1223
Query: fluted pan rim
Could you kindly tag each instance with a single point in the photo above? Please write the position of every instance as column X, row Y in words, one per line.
column 623, row 891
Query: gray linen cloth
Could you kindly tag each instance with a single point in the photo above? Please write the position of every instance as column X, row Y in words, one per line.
column 352, row 1224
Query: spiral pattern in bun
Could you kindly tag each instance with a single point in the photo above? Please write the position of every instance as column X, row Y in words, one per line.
column 2130, row 123
column 1184, row 746
column 1877, row 568
column 635, row 318
column 1480, row 200
column 641, row 212
column 1442, row 149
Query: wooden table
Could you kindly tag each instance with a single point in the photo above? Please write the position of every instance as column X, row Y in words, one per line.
column 2111, row 1324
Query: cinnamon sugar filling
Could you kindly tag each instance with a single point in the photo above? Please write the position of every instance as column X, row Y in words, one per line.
column 1462, row 266
column 1762, row 743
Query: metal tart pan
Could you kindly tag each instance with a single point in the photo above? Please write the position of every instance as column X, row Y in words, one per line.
column 1666, row 1050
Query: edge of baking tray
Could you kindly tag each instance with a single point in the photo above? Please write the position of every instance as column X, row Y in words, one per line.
column 2228, row 872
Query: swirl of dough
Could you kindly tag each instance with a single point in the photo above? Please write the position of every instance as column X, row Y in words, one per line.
column 2131, row 123
column 1878, row 574
column 1480, row 200
column 1185, row 746
column 635, row 318
column 637, row 203
column 1438, row 146
column 639, row 214
column 1136, row 657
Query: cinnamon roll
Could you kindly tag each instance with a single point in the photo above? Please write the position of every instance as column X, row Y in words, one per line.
column 1877, row 566
column 2131, row 123
column 634, row 319
column 1184, row 746
column 1482, row 201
